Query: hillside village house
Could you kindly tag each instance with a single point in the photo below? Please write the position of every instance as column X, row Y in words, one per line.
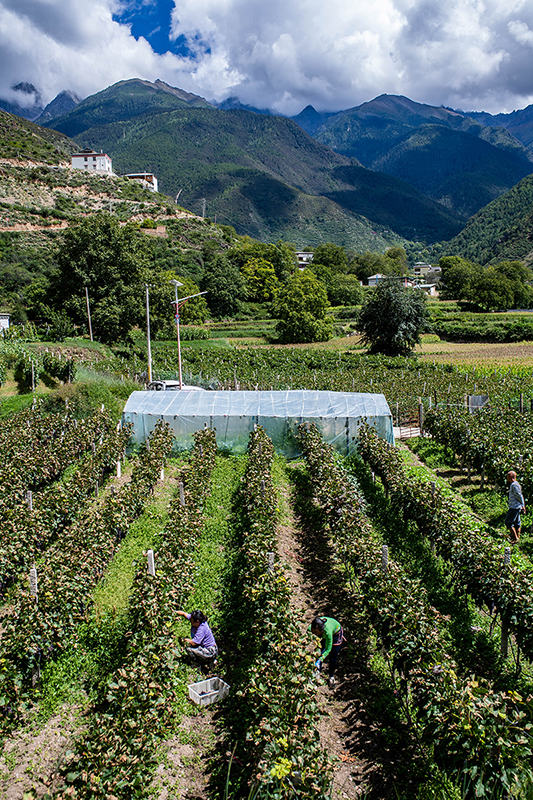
column 304, row 258
column 92, row 162
column 420, row 268
column 146, row 179
column 4, row 321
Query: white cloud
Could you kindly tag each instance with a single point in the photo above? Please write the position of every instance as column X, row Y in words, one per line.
column 471, row 54
column 521, row 32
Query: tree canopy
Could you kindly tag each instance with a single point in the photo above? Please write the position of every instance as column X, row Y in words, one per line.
column 225, row 286
column 496, row 287
column 301, row 308
column 111, row 262
column 392, row 262
column 332, row 256
column 392, row 318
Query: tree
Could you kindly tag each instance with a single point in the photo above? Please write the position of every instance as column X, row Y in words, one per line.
column 392, row 318
column 520, row 277
column 301, row 308
column 366, row 264
column 282, row 256
column 458, row 276
column 225, row 287
column 344, row 290
column 262, row 284
column 491, row 291
column 396, row 260
column 332, row 256
column 111, row 262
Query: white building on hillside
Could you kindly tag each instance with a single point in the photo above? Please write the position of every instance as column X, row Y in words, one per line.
column 146, row 179
column 92, row 162
column 304, row 257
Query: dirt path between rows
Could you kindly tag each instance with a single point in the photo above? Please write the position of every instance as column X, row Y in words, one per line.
column 347, row 731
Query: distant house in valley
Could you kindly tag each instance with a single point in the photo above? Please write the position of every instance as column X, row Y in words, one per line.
column 4, row 321
column 92, row 162
column 146, row 179
column 304, row 258
column 373, row 280
column 420, row 268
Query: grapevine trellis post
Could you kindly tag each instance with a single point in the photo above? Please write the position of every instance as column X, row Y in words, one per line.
column 182, row 493
column 504, row 645
column 151, row 563
column 384, row 559
column 34, row 586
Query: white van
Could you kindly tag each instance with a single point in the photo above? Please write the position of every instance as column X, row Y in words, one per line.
column 171, row 386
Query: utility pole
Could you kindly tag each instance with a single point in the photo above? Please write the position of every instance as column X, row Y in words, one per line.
column 176, row 284
column 89, row 313
column 177, row 302
column 148, row 333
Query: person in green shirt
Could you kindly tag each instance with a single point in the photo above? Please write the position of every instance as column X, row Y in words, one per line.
column 331, row 633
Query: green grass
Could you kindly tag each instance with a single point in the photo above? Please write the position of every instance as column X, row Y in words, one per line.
column 113, row 591
column 209, row 343
column 211, row 553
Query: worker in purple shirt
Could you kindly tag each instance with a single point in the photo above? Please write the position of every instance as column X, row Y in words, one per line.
column 516, row 505
column 201, row 645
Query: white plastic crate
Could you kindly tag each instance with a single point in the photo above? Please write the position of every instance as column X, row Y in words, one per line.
column 209, row 691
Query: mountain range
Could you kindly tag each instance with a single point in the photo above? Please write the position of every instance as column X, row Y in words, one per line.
column 262, row 174
column 386, row 170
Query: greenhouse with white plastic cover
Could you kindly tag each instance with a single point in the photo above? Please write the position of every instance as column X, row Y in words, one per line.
column 337, row 415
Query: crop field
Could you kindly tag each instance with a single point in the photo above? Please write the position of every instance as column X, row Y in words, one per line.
column 433, row 698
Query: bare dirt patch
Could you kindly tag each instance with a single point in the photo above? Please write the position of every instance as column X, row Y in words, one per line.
column 478, row 353
column 31, row 758
column 339, row 724
column 183, row 771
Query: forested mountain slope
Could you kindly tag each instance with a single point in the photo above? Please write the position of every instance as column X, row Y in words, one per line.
column 262, row 174
column 502, row 230
column 443, row 153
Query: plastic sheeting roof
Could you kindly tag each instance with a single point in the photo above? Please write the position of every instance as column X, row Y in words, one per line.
column 234, row 414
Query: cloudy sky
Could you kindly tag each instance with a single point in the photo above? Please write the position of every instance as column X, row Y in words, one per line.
column 280, row 54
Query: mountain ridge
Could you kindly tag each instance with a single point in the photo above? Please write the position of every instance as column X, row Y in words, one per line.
column 247, row 166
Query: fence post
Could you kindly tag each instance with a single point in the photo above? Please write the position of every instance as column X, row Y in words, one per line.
column 504, row 645
column 151, row 563
column 182, row 493
column 421, row 418
column 119, row 469
column 262, row 489
column 384, row 559
column 270, row 559
column 34, row 587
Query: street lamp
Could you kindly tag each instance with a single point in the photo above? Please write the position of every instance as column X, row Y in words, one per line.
column 177, row 303
column 148, row 333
